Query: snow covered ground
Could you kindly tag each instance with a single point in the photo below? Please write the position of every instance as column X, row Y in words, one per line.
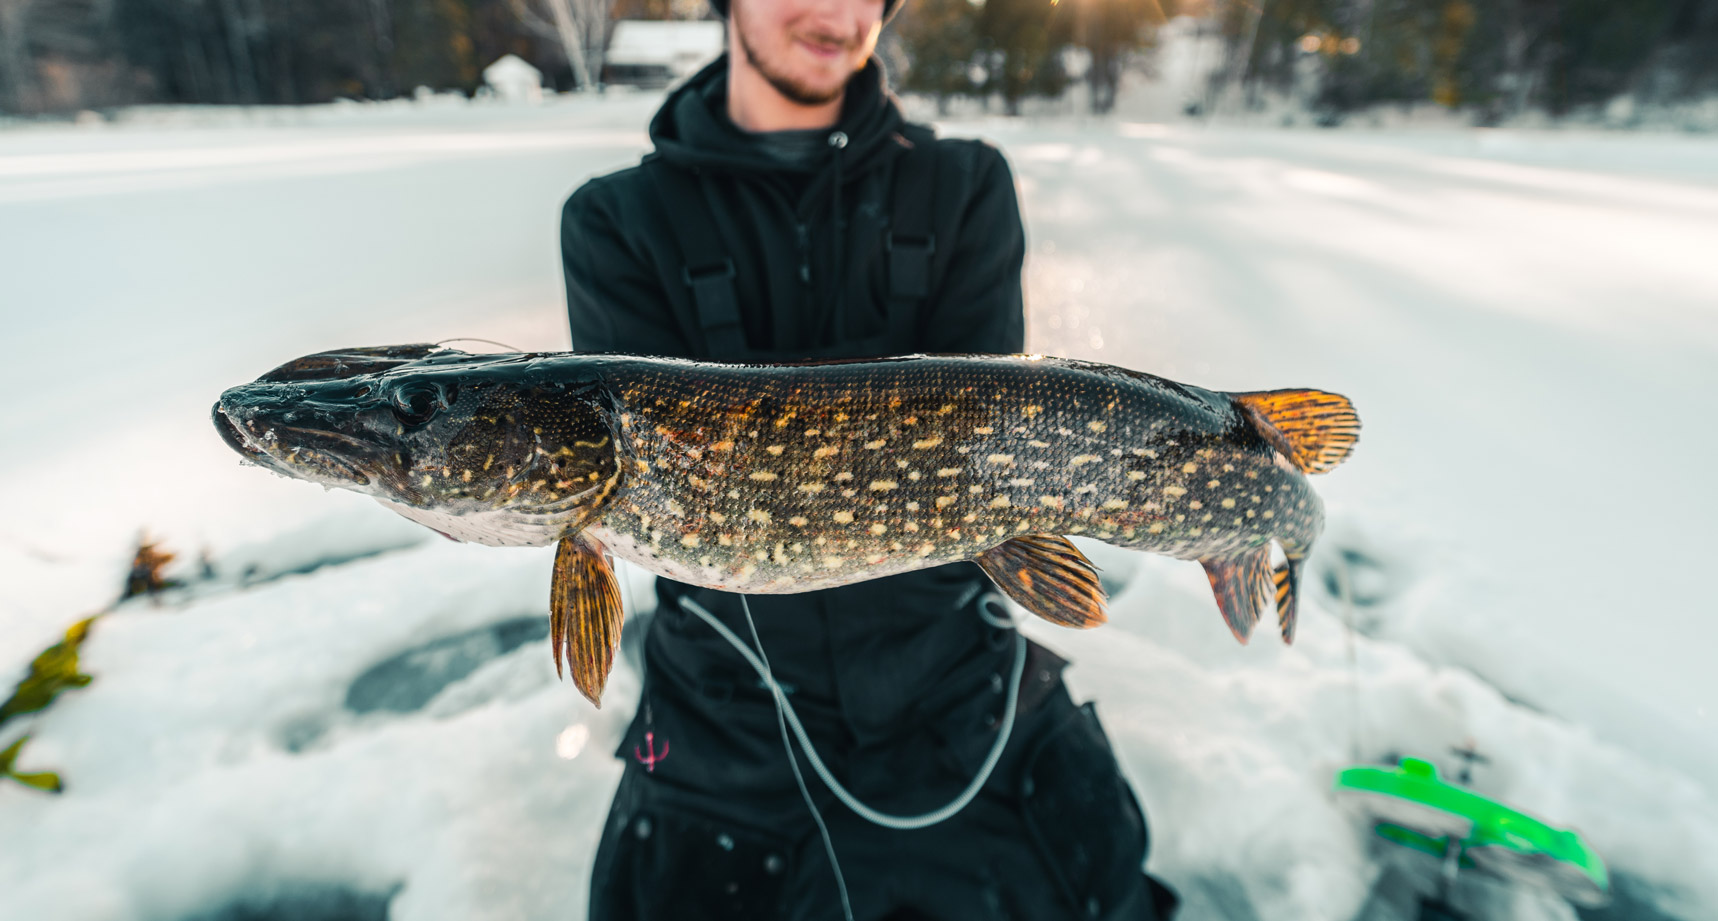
column 351, row 712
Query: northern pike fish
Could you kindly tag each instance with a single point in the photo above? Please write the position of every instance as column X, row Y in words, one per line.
column 789, row 478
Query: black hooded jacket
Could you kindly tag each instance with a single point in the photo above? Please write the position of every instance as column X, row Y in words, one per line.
column 895, row 662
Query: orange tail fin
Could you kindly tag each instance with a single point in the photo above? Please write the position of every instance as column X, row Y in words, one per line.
column 1314, row 429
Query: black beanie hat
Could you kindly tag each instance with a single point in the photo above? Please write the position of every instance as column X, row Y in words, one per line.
column 889, row 8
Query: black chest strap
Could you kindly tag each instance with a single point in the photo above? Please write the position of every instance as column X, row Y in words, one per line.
column 709, row 270
column 910, row 242
column 710, row 274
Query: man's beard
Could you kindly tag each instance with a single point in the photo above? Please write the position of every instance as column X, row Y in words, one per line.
column 785, row 85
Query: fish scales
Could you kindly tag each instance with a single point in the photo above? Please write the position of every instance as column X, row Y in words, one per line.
column 786, row 480
column 790, row 478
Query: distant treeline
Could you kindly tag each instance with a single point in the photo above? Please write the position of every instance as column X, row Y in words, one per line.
column 64, row 55
column 1491, row 57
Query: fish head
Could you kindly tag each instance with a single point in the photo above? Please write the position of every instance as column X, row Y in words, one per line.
column 432, row 430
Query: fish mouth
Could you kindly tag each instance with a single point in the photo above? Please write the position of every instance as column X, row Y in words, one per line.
column 297, row 452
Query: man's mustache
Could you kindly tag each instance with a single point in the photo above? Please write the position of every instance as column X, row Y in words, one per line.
column 840, row 42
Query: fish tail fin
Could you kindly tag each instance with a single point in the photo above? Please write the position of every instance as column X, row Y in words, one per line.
column 1243, row 587
column 1287, row 579
column 1313, row 429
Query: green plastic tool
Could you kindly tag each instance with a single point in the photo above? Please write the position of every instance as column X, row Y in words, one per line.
column 1415, row 808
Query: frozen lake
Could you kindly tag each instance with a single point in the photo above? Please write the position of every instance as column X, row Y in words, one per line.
column 1527, row 323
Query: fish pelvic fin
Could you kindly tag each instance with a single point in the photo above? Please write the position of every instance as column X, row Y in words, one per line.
column 585, row 614
column 1243, row 587
column 1286, row 579
column 1313, row 429
column 1049, row 576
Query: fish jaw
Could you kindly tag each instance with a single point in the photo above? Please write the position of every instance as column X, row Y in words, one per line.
column 481, row 448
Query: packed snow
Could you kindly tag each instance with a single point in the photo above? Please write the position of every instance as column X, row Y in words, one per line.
column 352, row 711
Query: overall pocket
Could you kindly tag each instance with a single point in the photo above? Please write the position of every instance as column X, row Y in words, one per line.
column 659, row 860
column 1082, row 816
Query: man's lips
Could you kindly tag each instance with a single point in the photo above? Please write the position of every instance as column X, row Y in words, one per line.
column 823, row 49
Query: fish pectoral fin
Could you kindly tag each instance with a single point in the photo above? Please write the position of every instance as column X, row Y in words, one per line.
column 1314, row 429
column 1243, row 587
column 585, row 614
column 1287, row 581
column 1048, row 576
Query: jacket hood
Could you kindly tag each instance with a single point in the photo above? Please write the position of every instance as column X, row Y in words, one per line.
column 692, row 129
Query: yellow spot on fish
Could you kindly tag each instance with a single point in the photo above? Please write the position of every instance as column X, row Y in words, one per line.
column 813, row 488
column 748, row 569
column 486, row 461
column 726, row 540
column 1270, row 514
column 975, row 489
column 930, row 442
column 983, row 430
column 466, row 476
column 1032, row 411
column 762, row 476
column 914, row 475
column 1021, row 481
column 643, row 467
column 1115, row 505
column 912, row 526
column 1196, row 504
column 690, row 540
column 843, row 517
column 798, row 521
column 1084, row 459
column 879, row 528
column 1155, row 527
column 1135, row 475
column 722, row 446
column 1097, row 426
column 883, row 485
column 1003, row 459
column 1213, row 484
column 1174, row 491
column 926, row 549
column 1000, row 502
column 1190, row 468
column 759, row 515
column 874, row 445
column 945, row 501
column 718, row 517
column 775, row 449
column 1054, row 502
column 833, row 562
column 1228, row 503
column 948, row 471
column 428, row 480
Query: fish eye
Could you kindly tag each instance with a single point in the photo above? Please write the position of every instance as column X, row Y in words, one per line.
column 414, row 404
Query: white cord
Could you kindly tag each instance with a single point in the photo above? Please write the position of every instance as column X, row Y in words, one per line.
column 799, row 778
column 901, row 823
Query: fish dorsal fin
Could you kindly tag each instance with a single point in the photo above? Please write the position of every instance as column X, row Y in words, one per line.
column 1314, row 429
column 1287, row 582
column 1048, row 576
column 584, row 614
column 1243, row 587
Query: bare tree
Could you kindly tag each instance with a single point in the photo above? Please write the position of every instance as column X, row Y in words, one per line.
column 16, row 85
column 581, row 27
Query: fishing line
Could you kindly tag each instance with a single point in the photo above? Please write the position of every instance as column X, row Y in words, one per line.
column 1345, row 590
column 786, row 717
column 475, row 339
column 793, row 762
column 899, row 823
